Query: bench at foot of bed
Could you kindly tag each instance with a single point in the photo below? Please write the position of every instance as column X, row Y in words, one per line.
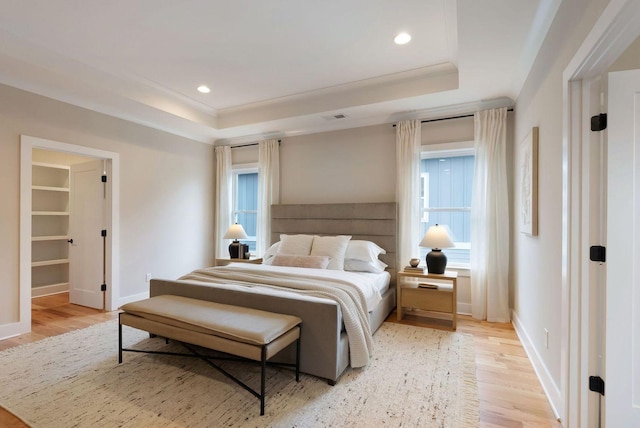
column 242, row 332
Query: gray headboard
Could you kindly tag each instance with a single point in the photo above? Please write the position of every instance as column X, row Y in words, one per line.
column 376, row 222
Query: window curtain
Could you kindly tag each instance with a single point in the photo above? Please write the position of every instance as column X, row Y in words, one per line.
column 224, row 198
column 268, row 190
column 490, row 219
column 408, row 188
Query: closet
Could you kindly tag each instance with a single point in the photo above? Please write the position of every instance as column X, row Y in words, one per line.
column 50, row 193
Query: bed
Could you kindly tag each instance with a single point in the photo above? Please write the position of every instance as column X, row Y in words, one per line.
column 325, row 348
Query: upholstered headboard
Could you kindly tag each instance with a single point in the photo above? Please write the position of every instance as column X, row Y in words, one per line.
column 376, row 222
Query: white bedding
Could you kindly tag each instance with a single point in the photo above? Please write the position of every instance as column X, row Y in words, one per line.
column 356, row 293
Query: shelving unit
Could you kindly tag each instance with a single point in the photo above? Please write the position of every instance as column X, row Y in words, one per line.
column 50, row 227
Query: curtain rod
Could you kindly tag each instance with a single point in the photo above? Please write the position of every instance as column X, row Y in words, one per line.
column 249, row 145
column 448, row 118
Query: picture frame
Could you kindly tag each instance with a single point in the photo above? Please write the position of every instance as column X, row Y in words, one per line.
column 528, row 164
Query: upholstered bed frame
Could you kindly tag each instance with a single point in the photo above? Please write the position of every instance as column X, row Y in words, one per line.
column 324, row 345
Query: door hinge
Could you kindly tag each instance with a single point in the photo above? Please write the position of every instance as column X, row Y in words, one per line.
column 103, row 287
column 596, row 384
column 104, row 178
column 598, row 253
column 599, row 122
column 103, row 233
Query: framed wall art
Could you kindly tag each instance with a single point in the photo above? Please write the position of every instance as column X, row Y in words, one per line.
column 528, row 164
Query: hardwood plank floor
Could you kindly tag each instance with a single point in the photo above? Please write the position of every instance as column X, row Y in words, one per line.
column 509, row 392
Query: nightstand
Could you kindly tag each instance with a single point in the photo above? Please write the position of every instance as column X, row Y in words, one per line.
column 442, row 299
column 225, row 261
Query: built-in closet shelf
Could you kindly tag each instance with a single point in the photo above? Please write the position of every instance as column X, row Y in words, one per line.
column 50, row 188
column 50, row 213
column 50, row 262
column 50, row 238
column 50, row 196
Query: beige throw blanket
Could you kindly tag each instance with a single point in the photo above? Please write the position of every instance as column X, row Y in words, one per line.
column 349, row 297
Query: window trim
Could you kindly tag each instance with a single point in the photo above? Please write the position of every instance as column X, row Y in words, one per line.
column 237, row 169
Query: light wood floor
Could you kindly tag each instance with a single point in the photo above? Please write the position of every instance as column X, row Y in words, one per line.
column 509, row 391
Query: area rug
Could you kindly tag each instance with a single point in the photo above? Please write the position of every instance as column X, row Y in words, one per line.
column 418, row 377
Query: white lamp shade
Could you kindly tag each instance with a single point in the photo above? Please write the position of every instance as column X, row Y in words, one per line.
column 437, row 237
column 236, row 231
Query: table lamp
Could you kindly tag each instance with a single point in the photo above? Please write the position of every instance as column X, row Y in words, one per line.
column 235, row 232
column 436, row 238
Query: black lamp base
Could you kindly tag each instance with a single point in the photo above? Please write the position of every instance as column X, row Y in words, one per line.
column 436, row 261
column 238, row 250
column 234, row 249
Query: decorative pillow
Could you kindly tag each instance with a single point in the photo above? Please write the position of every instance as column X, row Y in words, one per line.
column 295, row 245
column 366, row 251
column 359, row 266
column 317, row 262
column 271, row 251
column 331, row 246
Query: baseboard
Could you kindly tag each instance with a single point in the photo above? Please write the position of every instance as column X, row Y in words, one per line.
column 464, row 308
column 12, row 330
column 132, row 298
column 551, row 390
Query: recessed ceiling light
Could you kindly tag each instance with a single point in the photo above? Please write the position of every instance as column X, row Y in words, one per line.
column 204, row 89
column 402, row 39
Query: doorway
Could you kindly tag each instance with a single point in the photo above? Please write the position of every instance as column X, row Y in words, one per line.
column 611, row 35
column 111, row 218
column 68, row 215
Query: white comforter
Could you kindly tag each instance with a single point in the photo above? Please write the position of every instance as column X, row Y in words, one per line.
column 355, row 295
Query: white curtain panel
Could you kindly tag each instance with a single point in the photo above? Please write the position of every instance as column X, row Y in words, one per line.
column 224, row 198
column 268, row 190
column 490, row 219
column 408, row 188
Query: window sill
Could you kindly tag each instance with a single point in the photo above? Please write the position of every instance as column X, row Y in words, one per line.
column 463, row 271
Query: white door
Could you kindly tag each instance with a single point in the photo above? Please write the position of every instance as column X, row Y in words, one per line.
column 622, row 392
column 86, row 222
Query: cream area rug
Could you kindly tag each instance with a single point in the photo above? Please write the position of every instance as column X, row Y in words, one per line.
column 418, row 377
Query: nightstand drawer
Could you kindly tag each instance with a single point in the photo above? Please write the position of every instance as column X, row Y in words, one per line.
column 428, row 300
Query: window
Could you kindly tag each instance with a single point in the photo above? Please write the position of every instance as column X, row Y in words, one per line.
column 446, row 185
column 245, row 202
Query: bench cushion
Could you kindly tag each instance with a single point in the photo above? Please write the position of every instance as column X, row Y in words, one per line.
column 240, row 324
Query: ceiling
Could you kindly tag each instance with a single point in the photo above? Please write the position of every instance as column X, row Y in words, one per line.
column 275, row 68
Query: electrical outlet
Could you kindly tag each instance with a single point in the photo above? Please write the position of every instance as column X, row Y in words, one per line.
column 546, row 338
column 147, row 277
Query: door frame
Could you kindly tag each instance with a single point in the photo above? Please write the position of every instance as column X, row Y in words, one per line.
column 613, row 32
column 27, row 144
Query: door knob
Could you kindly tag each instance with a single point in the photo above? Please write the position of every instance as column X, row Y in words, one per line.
column 70, row 241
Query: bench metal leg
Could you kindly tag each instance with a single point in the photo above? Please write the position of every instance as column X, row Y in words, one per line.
column 119, row 340
column 263, row 378
column 209, row 360
column 298, row 359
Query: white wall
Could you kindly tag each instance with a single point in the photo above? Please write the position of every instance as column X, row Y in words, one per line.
column 166, row 203
column 536, row 265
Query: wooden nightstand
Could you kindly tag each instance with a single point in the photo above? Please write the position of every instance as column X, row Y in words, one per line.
column 441, row 300
column 225, row 261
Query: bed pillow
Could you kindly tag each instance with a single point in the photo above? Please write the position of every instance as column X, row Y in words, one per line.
column 331, row 246
column 295, row 245
column 317, row 262
column 366, row 251
column 271, row 251
column 359, row 266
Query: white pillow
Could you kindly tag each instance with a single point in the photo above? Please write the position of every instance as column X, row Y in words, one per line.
column 331, row 246
column 359, row 266
column 366, row 251
column 317, row 262
column 271, row 251
column 295, row 245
